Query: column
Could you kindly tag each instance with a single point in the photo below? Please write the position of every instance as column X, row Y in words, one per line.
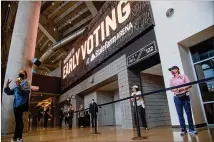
column 22, row 50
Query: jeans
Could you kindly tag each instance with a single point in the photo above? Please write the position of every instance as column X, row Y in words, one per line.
column 180, row 103
column 141, row 114
column 18, row 112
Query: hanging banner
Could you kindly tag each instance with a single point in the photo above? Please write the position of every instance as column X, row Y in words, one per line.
column 116, row 24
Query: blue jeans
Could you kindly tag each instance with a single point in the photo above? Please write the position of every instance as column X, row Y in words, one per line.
column 180, row 103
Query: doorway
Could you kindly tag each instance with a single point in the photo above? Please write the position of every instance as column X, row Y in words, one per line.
column 203, row 61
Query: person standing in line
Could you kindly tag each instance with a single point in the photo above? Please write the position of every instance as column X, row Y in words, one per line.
column 182, row 99
column 61, row 116
column 140, row 106
column 46, row 117
column 81, row 116
column 93, row 110
column 21, row 92
column 70, row 116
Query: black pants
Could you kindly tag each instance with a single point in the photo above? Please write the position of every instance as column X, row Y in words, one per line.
column 94, row 120
column 45, row 121
column 66, row 120
column 70, row 121
column 18, row 112
column 142, row 115
column 60, row 122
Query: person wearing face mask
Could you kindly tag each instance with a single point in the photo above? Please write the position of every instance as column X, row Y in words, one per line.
column 81, row 115
column 93, row 110
column 21, row 91
column 182, row 99
column 140, row 106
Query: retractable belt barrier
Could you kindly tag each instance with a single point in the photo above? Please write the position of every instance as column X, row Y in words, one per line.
column 157, row 91
column 139, row 137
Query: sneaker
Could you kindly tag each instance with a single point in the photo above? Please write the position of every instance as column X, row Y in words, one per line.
column 193, row 132
column 183, row 133
column 19, row 140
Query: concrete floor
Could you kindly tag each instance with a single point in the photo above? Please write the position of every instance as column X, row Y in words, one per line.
column 112, row 134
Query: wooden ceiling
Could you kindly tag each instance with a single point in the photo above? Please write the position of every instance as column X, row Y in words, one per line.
column 58, row 20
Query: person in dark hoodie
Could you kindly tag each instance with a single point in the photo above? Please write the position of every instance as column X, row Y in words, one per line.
column 21, row 91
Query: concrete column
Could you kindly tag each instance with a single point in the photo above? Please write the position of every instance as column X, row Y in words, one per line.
column 22, row 50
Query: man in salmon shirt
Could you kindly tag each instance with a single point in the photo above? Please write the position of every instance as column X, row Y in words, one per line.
column 182, row 100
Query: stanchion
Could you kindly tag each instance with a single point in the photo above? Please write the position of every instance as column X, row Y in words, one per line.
column 139, row 137
column 95, row 121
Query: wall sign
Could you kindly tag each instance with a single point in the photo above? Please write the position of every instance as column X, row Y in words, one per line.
column 142, row 54
column 116, row 24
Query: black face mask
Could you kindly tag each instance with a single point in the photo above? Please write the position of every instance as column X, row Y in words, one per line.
column 21, row 75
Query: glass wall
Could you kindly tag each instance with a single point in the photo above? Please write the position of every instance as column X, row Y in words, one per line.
column 203, row 59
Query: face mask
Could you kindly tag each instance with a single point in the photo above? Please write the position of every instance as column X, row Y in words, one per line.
column 21, row 75
column 173, row 72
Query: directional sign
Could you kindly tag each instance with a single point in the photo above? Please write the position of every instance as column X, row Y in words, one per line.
column 142, row 54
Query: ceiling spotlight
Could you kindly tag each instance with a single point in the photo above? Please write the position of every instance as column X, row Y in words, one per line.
column 8, row 5
column 52, row 3
column 41, row 95
column 69, row 22
column 54, row 29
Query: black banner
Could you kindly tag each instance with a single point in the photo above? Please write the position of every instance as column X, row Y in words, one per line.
column 122, row 21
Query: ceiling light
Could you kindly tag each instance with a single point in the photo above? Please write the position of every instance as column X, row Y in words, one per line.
column 54, row 29
column 41, row 95
column 8, row 5
column 52, row 3
column 69, row 22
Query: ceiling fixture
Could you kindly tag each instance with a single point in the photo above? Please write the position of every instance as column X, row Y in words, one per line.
column 52, row 3
column 8, row 5
column 54, row 29
column 69, row 22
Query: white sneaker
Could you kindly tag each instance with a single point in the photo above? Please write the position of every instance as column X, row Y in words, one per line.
column 19, row 140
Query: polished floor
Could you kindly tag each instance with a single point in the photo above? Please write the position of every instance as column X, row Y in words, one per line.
column 112, row 134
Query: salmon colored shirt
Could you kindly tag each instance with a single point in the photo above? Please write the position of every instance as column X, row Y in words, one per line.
column 181, row 79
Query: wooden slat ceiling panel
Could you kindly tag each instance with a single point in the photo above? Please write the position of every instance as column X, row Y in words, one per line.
column 72, row 14
column 76, row 21
column 63, row 9
column 52, row 7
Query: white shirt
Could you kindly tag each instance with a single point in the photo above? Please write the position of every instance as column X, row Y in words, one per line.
column 140, row 101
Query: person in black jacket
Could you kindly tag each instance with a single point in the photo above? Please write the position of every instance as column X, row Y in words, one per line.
column 93, row 110
column 61, row 116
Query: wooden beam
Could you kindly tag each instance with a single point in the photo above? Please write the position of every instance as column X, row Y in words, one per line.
column 91, row 7
column 47, row 33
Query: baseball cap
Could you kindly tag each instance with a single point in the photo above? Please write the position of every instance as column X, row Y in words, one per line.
column 135, row 86
column 173, row 67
